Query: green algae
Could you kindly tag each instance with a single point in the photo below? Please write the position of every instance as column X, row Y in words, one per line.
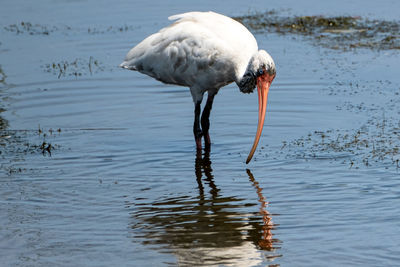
column 340, row 32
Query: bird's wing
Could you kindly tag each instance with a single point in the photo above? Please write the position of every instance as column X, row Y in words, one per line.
column 201, row 49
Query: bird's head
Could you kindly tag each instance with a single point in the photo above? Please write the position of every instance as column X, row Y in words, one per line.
column 260, row 65
column 260, row 72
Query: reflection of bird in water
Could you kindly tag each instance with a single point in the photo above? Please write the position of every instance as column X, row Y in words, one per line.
column 203, row 164
column 266, row 242
column 207, row 229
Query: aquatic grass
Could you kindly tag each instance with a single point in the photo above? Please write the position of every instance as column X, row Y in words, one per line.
column 340, row 32
column 30, row 28
column 78, row 67
column 14, row 146
column 111, row 29
column 376, row 143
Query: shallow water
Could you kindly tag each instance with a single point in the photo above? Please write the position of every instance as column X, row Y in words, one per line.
column 121, row 183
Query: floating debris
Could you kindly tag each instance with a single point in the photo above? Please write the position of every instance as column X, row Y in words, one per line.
column 111, row 29
column 32, row 29
column 341, row 32
column 377, row 143
column 78, row 67
column 46, row 147
column 40, row 29
column 17, row 144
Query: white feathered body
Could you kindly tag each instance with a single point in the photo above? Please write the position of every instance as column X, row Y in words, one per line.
column 200, row 50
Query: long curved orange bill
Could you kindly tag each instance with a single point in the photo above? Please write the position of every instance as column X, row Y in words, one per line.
column 262, row 89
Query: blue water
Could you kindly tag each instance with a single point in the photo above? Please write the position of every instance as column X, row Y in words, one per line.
column 121, row 185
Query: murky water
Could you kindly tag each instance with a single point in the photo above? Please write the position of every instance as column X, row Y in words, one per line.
column 98, row 164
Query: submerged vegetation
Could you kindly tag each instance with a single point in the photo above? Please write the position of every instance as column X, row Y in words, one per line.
column 374, row 144
column 78, row 67
column 341, row 32
column 377, row 142
column 17, row 144
column 30, row 28
column 110, row 29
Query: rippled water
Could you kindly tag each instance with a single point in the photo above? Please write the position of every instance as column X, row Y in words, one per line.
column 98, row 164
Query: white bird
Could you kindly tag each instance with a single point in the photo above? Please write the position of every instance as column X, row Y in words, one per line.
column 206, row 51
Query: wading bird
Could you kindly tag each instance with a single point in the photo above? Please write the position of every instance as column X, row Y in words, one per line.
column 206, row 51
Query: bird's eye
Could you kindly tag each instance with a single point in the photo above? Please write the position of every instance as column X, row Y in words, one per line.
column 260, row 72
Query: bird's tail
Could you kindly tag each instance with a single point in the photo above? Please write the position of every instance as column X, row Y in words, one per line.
column 126, row 65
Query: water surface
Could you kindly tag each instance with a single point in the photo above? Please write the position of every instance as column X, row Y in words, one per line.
column 121, row 183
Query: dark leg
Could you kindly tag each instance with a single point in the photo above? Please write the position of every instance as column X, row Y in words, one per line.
column 196, row 126
column 205, row 121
